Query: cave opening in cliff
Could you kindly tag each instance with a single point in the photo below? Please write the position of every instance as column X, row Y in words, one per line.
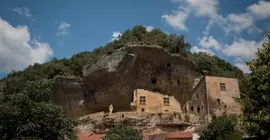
column 154, row 80
column 198, row 109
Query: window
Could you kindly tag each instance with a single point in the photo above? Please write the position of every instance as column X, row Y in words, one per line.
column 142, row 100
column 168, row 65
column 154, row 81
column 166, row 101
column 191, row 108
column 178, row 82
column 218, row 102
column 166, row 110
column 222, row 86
column 198, row 109
column 142, row 110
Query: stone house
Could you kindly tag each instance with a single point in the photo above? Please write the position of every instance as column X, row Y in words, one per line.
column 154, row 102
column 211, row 96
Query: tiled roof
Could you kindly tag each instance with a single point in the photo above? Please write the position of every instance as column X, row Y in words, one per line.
column 182, row 135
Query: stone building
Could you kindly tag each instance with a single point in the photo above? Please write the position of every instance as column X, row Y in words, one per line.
column 221, row 94
column 170, row 83
column 154, row 102
column 211, row 96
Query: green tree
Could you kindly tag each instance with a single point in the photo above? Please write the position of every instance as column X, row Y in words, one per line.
column 221, row 128
column 256, row 118
column 32, row 115
column 122, row 132
column 139, row 32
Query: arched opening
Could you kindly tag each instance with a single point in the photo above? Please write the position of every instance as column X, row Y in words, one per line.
column 198, row 109
column 191, row 109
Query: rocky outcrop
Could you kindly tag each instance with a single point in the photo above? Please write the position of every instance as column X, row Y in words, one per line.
column 113, row 78
column 101, row 122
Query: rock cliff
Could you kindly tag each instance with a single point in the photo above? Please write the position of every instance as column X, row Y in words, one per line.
column 113, row 78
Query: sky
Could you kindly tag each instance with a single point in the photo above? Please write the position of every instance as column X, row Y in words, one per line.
column 34, row 31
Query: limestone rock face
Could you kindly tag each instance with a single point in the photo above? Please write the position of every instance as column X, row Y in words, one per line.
column 113, row 78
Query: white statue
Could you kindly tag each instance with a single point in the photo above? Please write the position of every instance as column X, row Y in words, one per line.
column 111, row 108
column 81, row 102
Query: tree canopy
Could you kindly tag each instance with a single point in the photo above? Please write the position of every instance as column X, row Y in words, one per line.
column 32, row 115
column 257, row 103
column 221, row 128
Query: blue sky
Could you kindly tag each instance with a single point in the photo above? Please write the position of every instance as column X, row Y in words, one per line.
column 35, row 31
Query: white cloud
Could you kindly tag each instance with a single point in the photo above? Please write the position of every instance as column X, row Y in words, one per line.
column 236, row 23
column 17, row 51
column 177, row 19
column 196, row 49
column 149, row 28
column 200, row 8
column 260, row 10
column 239, row 62
column 22, row 11
column 62, row 28
column 243, row 48
column 239, row 22
column 116, row 35
column 63, row 25
column 254, row 31
column 208, row 42
column 206, row 8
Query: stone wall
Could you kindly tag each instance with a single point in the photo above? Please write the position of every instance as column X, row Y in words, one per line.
column 222, row 101
column 197, row 104
column 69, row 95
column 113, row 78
column 154, row 102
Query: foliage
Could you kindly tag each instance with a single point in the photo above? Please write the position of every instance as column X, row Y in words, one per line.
column 122, row 132
column 256, row 118
column 221, row 128
column 31, row 115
